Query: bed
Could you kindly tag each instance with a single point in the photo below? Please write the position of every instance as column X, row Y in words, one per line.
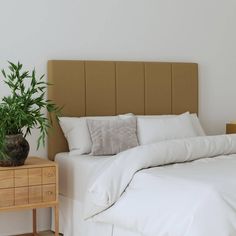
column 118, row 195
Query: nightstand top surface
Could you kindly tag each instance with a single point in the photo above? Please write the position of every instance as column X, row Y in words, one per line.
column 31, row 162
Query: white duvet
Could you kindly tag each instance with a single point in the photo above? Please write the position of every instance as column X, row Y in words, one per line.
column 143, row 190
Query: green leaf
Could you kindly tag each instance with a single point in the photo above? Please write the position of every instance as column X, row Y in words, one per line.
column 4, row 73
column 24, row 109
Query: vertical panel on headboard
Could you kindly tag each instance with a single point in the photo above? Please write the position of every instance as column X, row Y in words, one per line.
column 184, row 87
column 67, row 90
column 67, row 78
column 157, row 88
column 100, row 88
column 130, row 87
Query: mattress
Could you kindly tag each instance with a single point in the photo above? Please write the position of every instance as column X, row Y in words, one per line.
column 76, row 172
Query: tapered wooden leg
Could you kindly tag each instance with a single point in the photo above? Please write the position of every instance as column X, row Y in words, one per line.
column 35, row 222
column 56, row 212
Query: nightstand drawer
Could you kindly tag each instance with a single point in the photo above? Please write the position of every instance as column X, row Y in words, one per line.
column 21, row 178
column 35, row 176
column 49, row 175
column 6, row 179
column 35, row 194
column 6, row 197
column 49, row 193
column 21, row 196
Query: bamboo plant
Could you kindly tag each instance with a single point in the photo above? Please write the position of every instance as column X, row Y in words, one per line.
column 25, row 108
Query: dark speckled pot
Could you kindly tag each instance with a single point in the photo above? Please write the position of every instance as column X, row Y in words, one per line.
column 17, row 150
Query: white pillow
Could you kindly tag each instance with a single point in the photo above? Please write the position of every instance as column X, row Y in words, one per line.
column 152, row 130
column 194, row 119
column 77, row 134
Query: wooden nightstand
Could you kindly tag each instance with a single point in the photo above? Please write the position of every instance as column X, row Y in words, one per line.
column 32, row 186
column 230, row 128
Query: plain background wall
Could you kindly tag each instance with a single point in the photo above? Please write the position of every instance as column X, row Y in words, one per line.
column 200, row 31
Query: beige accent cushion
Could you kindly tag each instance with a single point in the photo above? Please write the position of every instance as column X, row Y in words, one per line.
column 110, row 137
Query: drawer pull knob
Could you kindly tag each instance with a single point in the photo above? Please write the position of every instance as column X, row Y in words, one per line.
column 50, row 175
column 50, row 192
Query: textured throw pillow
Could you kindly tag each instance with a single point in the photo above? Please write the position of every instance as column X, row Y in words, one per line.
column 110, row 137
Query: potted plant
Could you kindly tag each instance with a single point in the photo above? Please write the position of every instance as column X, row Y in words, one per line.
column 20, row 112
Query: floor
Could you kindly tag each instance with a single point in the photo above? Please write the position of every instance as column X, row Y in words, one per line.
column 46, row 233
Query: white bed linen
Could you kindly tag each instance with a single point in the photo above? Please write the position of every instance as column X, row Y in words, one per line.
column 72, row 224
column 193, row 199
column 196, row 198
column 75, row 175
column 76, row 172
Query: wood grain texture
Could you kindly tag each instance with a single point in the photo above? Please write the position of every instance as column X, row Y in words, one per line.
column 21, row 196
column 21, row 178
column 35, row 176
column 49, row 175
column 6, row 197
column 49, row 193
column 34, row 215
column 6, row 178
column 35, row 194
column 37, row 181
column 25, row 187
column 56, row 212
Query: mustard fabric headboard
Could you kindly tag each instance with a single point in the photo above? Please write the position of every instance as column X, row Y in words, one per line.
column 99, row 88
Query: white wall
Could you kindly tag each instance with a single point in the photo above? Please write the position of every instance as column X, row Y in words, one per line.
column 200, row 31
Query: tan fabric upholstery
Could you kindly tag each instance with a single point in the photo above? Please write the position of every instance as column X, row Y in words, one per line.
column 99, row 88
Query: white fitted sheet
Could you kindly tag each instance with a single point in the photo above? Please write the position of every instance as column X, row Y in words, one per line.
column 76, row 172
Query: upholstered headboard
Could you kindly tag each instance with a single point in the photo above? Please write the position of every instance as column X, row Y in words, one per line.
column 98, row 88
